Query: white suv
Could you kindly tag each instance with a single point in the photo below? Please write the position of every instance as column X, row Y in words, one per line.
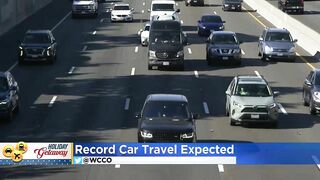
column 121, row 12
column 159, row 8
column 85, row 8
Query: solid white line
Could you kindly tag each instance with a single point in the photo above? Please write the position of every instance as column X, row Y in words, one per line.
column 242, row 52
column 117, row 166
column 142, row 11
column 13, row 66
column 196, row 74
column 189, row 51
column 71, row 70
column 206, row 109
column 214, row 12
column 94, row 32
column 316, row 160
column 257, row 73
column 133, row 70
column 136, row 49
column 52, row 101
column 143, row 4
column 181, row 21
column 61, row 21
column 177, row 4
column 84, row 48
column 221, row 168
column 282, row 109
column 127, row 104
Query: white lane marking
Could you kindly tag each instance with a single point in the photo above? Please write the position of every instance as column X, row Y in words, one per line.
column 94, row 32
column 189, row 51
column 181, row 21
column 13, row 66
column 242, row 52
column 214, row 12
column 221, row 168
column 127, row 104
column 54, row 28
column 102, row 20
column 206, row 108
column 117, row 166
column 143, row 4
column 71, row 70
column 177, row 4
column 282, row 109
column 142, row 11
column 52, row 101
column 84, row 48
column 136, row 49
column 257, row 73
column 196, row 74
column 316, row 160
column 133, row 70
column 61, row 21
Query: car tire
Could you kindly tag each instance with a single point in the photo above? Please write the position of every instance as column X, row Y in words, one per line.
column 305, row 103
column 263, row 57
column 232, row 122
column 227, row 111
column 312, row 110
column 149, row 67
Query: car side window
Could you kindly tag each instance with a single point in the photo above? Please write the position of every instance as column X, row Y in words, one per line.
column 231, row 86
column 313, row 77
column 310, row 75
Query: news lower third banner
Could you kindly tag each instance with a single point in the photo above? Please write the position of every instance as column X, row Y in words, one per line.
column 66, row 153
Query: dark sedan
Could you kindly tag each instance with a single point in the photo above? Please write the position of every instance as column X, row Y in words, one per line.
column 9, row 95
column 38, row 45
column 223, row 47
column 194, row 2
column 209, row 23
column 166, row 118
column 232, row 5
column 311, row 91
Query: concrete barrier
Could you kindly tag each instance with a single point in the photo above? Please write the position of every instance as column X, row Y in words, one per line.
column 12, row 12
column 308, row 39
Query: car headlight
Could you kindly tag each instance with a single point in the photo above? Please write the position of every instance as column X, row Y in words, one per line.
column 292, row 50
column 146, row 134
column 152, row 54
column 272, row 105
column 5, row 101
column 236, row 50
column 49, row 51
column 221, row 27
column 21, row 51
column 268, row 49
column 226, row 5
column 316, row 96
column 237, row 104
column 203, row 27
column 187, row 135
column 214, row 50
column 179, row 54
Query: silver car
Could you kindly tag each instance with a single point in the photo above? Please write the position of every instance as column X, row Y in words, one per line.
column 250, row 99
column 276, row 43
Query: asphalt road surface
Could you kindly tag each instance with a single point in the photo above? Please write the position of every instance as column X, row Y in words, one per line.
column 101, row 65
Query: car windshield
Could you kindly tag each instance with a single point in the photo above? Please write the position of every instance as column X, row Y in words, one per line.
column 224, row 39
column 121, row 8
column 260, row 90
column 211, row 19
column 36, row 39
column 3, row 84
column 170, row 109
column 162, row 7
column 278, row 36
column 165, row 37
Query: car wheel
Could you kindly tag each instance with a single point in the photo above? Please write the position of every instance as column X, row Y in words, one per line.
column 259, row 53
column 312, row 110
column 227, row 111
column 149, row 67
column 305, row 103
column 232, row 122
column 264, row 58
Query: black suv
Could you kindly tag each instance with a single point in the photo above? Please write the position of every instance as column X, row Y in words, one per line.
column 194, row 2
column 166, row 118
column 291, row 5
column 311, row 91
column 232, row 5
column 9, row 95
column 38, row 45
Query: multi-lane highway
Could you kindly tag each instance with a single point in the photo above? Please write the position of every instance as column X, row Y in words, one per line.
column 101, row 79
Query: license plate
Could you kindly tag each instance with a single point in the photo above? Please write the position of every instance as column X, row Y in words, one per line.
column 165, row 63
column 254, row 116
column 34, row 56
column 233, row 7
column 154, row 67
column 83, row 12
column 195, row 1
column 280, row 54
column 225, row 58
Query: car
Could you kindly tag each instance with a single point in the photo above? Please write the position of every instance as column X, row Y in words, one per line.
column 85, row 8
column 38, row 45
column 276, row 43
column 166, row 45
column 223, row 47
column 121, row 12
column 311, row 91
column 160, row 7
column 291, row 6
column 208, row 23
column 194, row 2
column 232, row 5
column 144, row 34
column 166, row 118
column 250, row 99
column 165, row 17
column 9, row 96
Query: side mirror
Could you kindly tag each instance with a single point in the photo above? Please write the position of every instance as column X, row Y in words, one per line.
column 295, row 40
column 227, row 93
column 195, row 116
column 199, row 21
column 178, row 10
column 138, row 115
column 260, row 39
column 13, row 88
column 149, row 10
column 307, row 82
column 223, row 21
column 276, row 93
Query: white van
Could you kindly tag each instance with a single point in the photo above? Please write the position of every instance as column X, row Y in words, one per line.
column 161, row 7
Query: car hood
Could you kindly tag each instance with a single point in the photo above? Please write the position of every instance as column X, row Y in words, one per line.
column 145, row 34
column 253, row 101
column 35, row 45
column 165, row 47
column 226, row 46
column 82, row 2
column 167, row 124
column 120, row 12
column 280, row 45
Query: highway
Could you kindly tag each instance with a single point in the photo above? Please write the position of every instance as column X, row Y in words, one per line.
column 101, row 80
column 310, row 16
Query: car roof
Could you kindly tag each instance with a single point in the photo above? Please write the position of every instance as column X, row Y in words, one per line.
column 223, row 32
column 251, row 79
column 44, row 31
column 167, row 97
column 122, row 4
column 277, row 30
column 163, row 2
